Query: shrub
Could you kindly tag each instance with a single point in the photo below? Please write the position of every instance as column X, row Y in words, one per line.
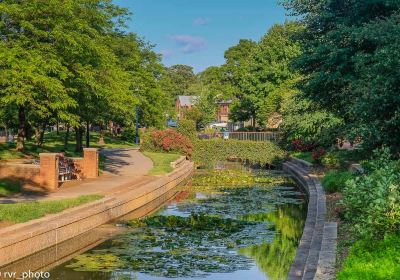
column 372, row 201
column 207, row 152
column 341, row 159
column 129, row 134
column 301, row 146
column 372, row 260
column 317, row 154
column 168, row 140
column 187, row 128
column 335, row 181
column 332, row 160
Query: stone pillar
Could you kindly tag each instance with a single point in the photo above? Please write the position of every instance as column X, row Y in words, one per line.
column 49, row 171
column 90, row 163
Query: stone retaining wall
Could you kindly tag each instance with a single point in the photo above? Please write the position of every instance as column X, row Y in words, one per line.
column 316, row 254
column 22, row 240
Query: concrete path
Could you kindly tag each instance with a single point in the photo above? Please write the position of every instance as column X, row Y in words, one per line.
column 123, row 167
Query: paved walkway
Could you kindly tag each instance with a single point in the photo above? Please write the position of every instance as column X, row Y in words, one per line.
column 123, row 167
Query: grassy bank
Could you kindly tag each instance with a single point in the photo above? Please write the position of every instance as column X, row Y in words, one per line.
column 162, row 162
column 373, row 260
column 26, row 211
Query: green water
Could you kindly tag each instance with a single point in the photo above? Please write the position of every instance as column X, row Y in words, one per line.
column 246, row 227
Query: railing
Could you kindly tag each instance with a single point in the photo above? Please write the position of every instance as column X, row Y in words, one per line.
column 244, row 136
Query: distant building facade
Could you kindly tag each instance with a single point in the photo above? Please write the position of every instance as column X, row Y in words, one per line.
column 183, row 103
column 223, row 111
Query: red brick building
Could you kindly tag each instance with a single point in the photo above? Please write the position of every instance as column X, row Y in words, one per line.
column 184, row 102
column 223, row 111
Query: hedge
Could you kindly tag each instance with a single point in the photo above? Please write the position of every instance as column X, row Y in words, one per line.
column 207, row 152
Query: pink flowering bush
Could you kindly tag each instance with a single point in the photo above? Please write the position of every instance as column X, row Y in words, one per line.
column 168, row 140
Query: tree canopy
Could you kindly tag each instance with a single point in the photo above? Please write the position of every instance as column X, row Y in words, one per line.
column 350, row 63
column 72, row 61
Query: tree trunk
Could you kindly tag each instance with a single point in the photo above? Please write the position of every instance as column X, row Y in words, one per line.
column 58, row 127
column 41, row 135
column 87, row 134
column 66, row 137
column 21, row 129
column 78, row 138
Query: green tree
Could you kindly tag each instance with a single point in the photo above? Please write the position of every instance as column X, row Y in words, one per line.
column 351, row 62
column 182, row 77
column 32, row 73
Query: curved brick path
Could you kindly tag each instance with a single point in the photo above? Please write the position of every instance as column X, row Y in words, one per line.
column 122, row 167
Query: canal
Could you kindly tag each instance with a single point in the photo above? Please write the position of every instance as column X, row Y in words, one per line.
column 224, row 224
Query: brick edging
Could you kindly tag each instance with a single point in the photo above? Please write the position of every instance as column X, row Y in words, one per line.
column 316, row 254
column 21, row 240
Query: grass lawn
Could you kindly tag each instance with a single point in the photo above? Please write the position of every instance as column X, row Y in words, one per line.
column 162, row 162
column 373, row 260
column 9, row 187
column 26, row 211
column 54, row 143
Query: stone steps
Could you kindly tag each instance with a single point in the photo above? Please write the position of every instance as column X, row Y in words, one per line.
column 316, row 253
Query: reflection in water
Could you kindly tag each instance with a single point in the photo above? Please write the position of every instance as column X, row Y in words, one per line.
column 276, row 258
column 237, row 232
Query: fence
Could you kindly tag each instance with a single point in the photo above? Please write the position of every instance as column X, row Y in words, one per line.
column 245, row 136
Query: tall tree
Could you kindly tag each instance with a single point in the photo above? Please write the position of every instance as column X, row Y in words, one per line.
column 182, row 77
column 32, row 73
column 351, row 64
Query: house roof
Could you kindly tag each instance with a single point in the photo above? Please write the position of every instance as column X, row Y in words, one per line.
column 223, row 102
column 187, row 100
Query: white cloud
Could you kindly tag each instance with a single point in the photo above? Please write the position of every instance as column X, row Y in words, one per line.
column 167, row 53
column 189, row 44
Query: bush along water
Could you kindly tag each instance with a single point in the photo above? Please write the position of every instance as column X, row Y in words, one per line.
column 207, row 152
column 372, row 201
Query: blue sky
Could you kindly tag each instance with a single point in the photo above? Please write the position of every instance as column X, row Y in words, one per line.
column 197, row 32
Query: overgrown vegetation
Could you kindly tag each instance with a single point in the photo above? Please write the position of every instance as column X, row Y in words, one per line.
column 372, row 201
column 26, row 211
column 162, row 162
column 335, row 181
column 207, row 152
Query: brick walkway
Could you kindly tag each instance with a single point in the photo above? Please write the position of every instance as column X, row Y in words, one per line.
column 123, row 167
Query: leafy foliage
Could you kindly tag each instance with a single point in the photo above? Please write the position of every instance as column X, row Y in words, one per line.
column 207, row 152
column 335, row 181
column 304, row 120
column 350, row 60
column 53, row 72
column 372, row 201
column 187, row 128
